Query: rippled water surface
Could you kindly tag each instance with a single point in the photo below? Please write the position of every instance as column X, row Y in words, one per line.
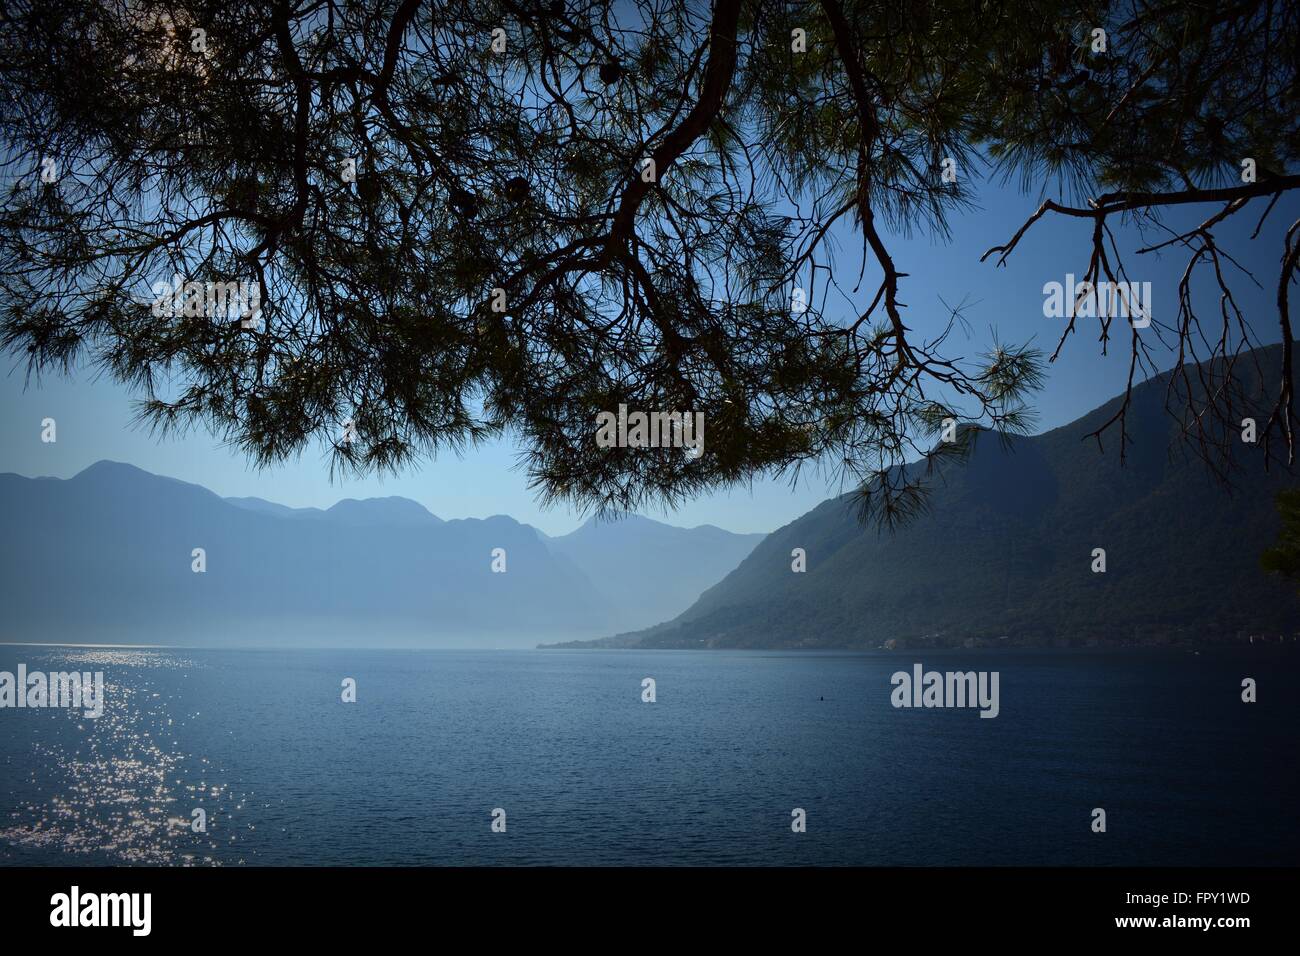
column 708, row 774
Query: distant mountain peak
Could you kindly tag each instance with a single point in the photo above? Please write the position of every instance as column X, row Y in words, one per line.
column 106, row 466
column 108, row 473
column 604, row 518
column 619, row 523
column 392, row 510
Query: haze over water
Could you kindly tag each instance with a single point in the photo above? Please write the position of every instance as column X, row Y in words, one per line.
column 708, row 774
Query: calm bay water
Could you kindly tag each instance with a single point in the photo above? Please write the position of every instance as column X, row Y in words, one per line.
column 588, row 774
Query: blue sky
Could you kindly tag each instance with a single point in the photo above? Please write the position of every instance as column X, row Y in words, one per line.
column 94, row 416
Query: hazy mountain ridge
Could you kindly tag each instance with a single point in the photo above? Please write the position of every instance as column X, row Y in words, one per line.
column 391, row 510
column 107, row 554
column 1004, row 554
column 643, row 564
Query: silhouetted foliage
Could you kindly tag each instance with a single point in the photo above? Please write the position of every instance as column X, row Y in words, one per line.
column 378, row 171
column 1284, row 557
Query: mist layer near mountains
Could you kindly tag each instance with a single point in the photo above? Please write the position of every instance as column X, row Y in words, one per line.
column 110, row 556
